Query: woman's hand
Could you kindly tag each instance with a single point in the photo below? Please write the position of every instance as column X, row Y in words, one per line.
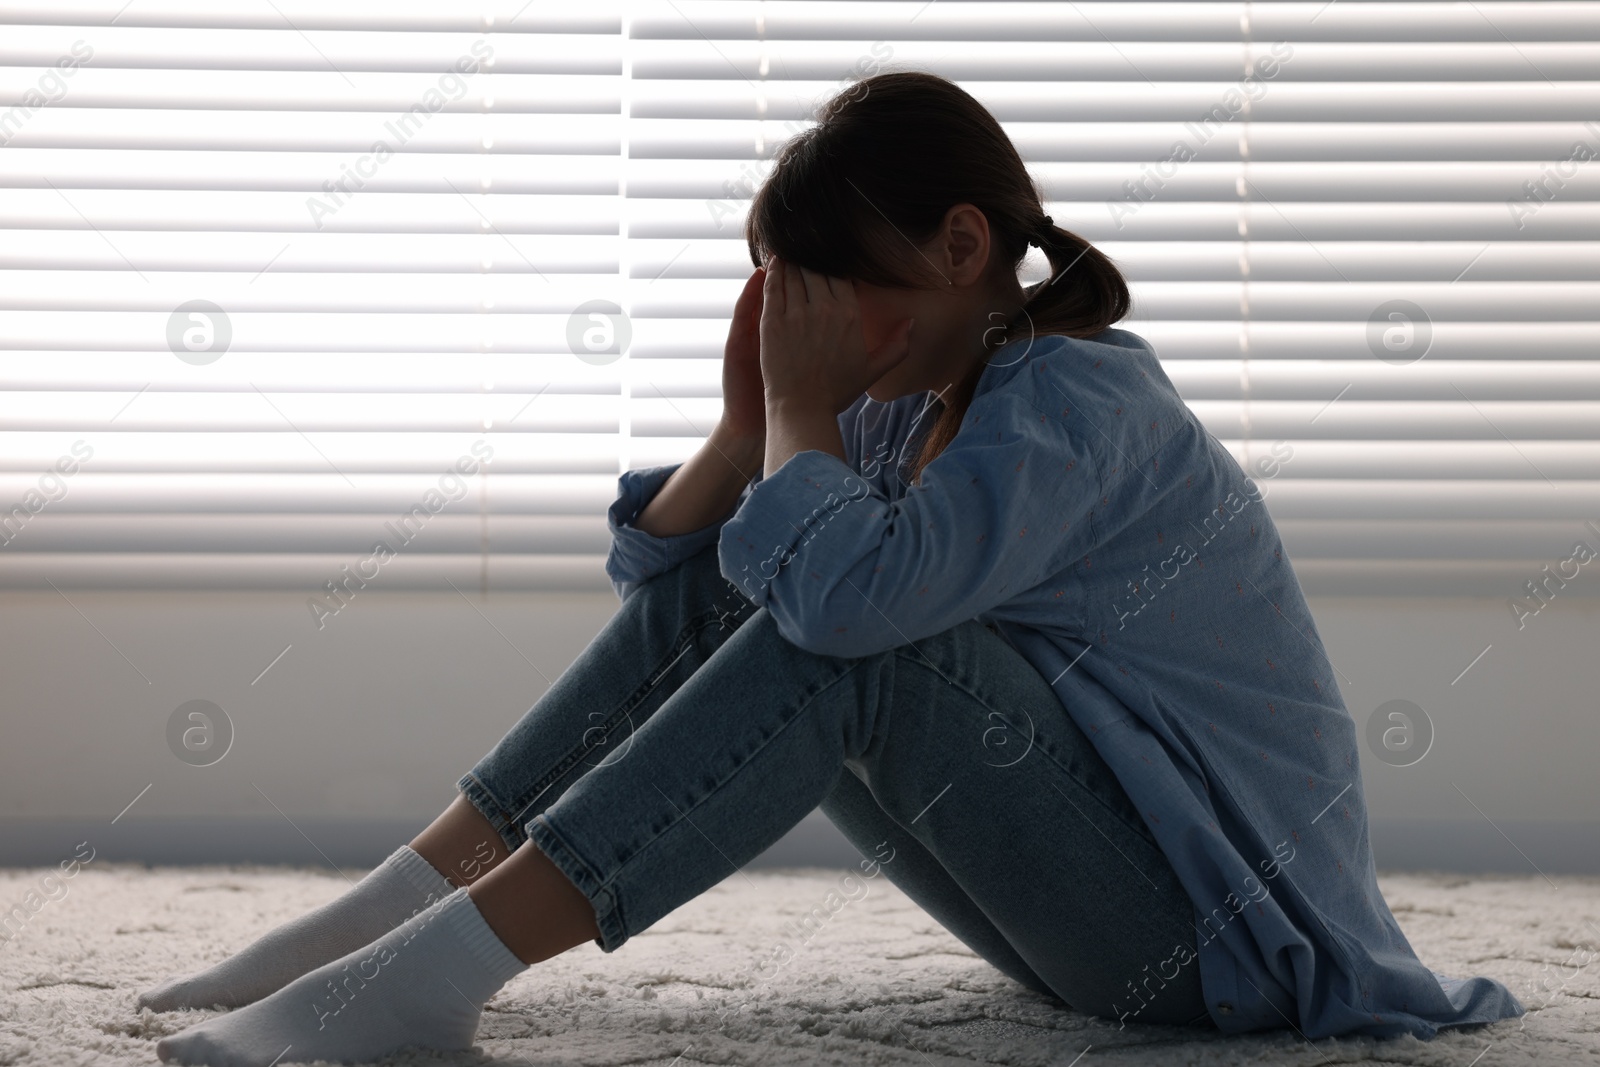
column 710, row 482
column 744, row 413
column 814, row 356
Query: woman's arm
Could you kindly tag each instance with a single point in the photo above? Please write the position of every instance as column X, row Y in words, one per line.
column 706, row 487
column 796, row 427
column 845, row 571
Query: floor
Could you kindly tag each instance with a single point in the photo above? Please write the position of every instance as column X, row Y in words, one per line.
column 876, row 983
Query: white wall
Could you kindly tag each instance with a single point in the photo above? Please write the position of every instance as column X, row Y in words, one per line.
column 358, row 733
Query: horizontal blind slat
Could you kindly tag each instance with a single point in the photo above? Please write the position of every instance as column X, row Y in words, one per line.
column 506, row 16
column 327, row 492
column 448, row 532
column 1175, row 20
column 308, row 572
column 524, row 446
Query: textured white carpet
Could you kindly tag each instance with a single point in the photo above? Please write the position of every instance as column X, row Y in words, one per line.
column 880, row 983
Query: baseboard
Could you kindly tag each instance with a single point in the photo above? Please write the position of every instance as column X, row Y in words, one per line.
column 1475, row 846
column 307, row 842
column 1466, row 846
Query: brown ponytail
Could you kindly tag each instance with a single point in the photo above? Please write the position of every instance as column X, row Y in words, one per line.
column 888, row 157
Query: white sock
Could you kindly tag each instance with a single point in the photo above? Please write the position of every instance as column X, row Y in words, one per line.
column 422, row 984
column 395, row 890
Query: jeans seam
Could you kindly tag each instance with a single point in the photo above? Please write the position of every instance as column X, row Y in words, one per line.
column 683, row 814
column 609, row 908
column 626, row 707
column 1141, row 831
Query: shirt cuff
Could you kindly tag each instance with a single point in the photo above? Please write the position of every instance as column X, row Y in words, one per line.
column 779, row 513
column 636, row 555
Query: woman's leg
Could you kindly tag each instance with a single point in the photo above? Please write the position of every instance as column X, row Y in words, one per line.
column 1045, row 845
column 569, row 920
column 1048, row 845
column 1091, row 851
column 918, row 874
column 465, row 845
column 660, row 635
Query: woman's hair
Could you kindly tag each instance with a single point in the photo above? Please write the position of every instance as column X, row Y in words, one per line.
column 889, row 156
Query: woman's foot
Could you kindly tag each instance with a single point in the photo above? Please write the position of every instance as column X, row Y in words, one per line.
column 422, row 984
column 394, row 891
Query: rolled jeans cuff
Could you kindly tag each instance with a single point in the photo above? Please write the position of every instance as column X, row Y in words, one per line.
column 479, row 796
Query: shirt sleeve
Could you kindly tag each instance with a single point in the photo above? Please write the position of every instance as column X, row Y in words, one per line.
column 845, row 571
column 635, row 555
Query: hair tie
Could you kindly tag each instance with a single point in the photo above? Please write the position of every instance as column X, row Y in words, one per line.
column 1042, row 232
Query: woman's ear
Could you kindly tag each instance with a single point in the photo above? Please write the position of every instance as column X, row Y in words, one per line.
column 965, row 245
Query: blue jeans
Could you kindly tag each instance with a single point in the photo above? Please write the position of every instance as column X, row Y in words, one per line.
column 690, row 736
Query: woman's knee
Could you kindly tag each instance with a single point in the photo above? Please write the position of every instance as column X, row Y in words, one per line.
column 695, row 588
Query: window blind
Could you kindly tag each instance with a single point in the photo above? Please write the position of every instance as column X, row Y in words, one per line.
column 296, row 278
column 1362, row 236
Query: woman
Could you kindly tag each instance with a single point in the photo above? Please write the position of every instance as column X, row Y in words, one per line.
column 957, row 565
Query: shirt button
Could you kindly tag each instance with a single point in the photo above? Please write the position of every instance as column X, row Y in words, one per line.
column 1224, row 1007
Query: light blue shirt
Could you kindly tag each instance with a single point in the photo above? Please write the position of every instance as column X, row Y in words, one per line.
column 1115, row 543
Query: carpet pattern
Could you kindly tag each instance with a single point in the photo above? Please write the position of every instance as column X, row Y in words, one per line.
column 733, row 978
